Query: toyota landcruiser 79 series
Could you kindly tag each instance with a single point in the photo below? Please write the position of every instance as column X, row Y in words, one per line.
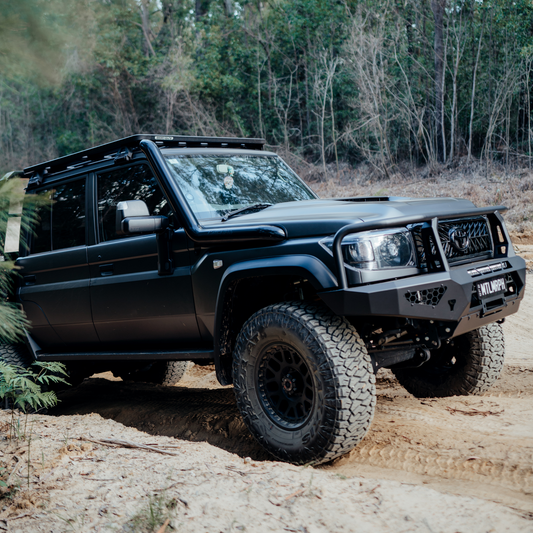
column 152, row 251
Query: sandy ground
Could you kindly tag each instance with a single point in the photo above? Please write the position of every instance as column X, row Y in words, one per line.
column 461, row 464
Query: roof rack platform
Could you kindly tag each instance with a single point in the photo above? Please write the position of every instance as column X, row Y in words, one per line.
column 130, row 144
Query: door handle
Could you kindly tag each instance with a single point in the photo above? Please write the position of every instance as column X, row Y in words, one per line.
column 30, row 279
column 106, row 270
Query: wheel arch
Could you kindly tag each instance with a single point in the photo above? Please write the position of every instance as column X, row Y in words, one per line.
column 280, row 272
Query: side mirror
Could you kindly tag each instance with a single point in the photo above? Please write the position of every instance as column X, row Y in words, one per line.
column 134, row 218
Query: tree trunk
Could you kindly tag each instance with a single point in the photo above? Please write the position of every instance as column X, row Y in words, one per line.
column 228, row 8
column 259, row 105
column 307, row 99
column 528, row 95
column 200, row 8
column 332, row 111
column 145, row 23
column 438, row 6
column 471, row 123
column 459, row 39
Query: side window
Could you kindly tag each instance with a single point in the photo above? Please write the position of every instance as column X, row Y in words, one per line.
column 135, row 182
column 57, row 217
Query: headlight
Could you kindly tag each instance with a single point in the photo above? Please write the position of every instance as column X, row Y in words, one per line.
column 376, row 250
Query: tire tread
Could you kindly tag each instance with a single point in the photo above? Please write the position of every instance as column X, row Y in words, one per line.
column 484, row 365
column 342, row 358
column 15, row 354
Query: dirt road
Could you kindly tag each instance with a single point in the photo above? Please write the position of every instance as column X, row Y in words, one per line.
column 444, row 465
column 477, row 446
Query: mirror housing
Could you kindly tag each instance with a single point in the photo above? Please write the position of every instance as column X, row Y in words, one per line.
column 133, row 218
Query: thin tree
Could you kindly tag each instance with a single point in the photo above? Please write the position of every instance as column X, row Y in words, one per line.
column 473, row 93
column 438, row 8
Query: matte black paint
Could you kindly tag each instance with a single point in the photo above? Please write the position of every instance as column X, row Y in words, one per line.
column 115, row 301
column 131, row 303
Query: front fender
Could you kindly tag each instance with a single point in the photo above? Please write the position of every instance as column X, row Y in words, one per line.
column 303, row 266
column 308, row 266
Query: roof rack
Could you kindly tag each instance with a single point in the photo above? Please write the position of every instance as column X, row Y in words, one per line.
column 124, row 148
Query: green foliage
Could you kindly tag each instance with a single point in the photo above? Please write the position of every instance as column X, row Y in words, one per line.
column 157, row 509
column 7, row 491
column 13, row 220
column 23, row 386
column 36, row 36
column 191, row 67
column 12, row 318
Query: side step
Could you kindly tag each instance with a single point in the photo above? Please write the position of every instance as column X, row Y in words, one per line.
column 121, row 356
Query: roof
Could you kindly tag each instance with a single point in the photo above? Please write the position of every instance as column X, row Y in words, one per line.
column 113, row 149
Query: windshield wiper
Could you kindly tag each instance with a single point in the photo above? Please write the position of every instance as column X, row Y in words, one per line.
column 253, row 207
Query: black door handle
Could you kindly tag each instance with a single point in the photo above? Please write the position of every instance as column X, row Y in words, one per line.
column 30, row 279
column 106, row 270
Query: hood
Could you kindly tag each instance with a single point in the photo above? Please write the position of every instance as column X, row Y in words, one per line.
column 325, row 217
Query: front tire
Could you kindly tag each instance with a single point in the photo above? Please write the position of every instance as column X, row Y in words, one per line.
column 469, row 366
column 303, row 382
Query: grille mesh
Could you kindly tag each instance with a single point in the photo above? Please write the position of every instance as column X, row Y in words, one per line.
column 479, row 241
column 479, row 245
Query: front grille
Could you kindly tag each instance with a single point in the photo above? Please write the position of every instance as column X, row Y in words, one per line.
column 475, row 230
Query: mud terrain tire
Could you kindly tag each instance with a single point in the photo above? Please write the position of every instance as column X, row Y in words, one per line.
column 468, row 367
column 303, row 382
column 15, row 354
column 161, row 373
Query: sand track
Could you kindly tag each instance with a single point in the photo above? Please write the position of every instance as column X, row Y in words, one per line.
column 478, row 446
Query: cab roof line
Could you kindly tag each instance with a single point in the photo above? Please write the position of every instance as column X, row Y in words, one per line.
column 112, row 149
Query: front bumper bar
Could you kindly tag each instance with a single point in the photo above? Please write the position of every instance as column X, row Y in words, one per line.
column 444, row 293
column 443, row 296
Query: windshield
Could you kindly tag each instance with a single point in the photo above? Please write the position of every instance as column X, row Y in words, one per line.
column 216, row 184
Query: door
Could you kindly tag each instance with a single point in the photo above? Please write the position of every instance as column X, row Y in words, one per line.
column 55, row 281
column 133, row 307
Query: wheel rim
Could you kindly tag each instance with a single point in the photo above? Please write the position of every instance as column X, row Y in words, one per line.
column 286, row 386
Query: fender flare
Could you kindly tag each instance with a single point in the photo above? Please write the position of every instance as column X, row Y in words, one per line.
column 305, row 266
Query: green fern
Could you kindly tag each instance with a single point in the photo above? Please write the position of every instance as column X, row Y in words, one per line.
column 13, row 321
column 23, row 386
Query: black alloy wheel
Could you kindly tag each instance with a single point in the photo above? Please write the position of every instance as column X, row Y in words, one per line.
column 286, row 386
column 303, row 382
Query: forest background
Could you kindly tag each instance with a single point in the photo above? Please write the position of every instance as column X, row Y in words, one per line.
column 332, row 84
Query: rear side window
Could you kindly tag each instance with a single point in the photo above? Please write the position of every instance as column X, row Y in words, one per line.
column 57, row 218
column 135, row 182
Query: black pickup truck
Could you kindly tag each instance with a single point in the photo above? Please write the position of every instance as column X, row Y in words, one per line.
column 155, row 250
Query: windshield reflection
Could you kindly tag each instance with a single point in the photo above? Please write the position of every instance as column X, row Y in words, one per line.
column 215, row 185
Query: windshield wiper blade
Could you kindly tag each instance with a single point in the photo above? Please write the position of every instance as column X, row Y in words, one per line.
column 253, row 207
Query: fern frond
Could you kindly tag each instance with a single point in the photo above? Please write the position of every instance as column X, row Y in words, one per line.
column 52, row 366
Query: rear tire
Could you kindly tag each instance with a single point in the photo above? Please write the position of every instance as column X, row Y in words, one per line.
column 161, row 373
column 469, row 366
column 15, row 354
column 303, row 382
